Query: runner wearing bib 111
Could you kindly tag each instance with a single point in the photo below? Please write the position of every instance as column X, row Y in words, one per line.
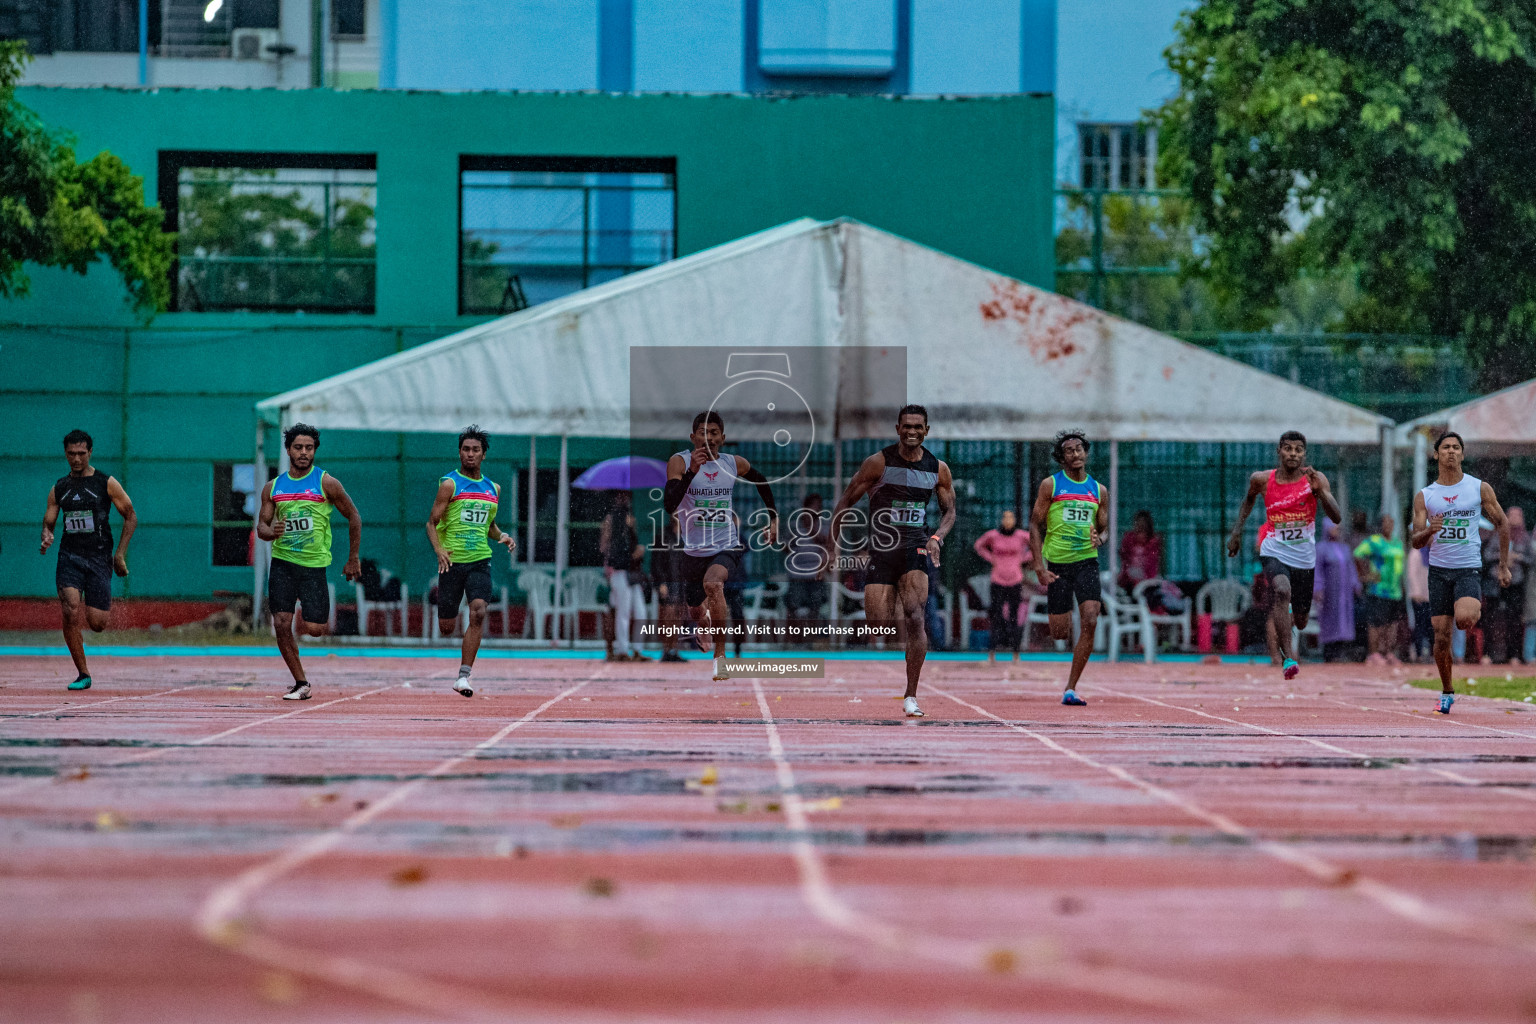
column 1445, row 518
column 1288, row 538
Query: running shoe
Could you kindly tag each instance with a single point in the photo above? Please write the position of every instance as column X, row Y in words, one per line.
column 720, row 675
column 83, row 683
column 910, row 709
column 1071, row 698
column 298, row 691
column 1446, row 700
column 1290, row 668
column 461, row 686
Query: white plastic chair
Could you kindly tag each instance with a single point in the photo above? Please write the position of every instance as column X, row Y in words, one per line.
column 1184, row 620
column 1224, row 600
column 839, row 592
column 764, row 601
column 1039, row 613
column 578, row 594
column 1122, row 618
column 540, row 588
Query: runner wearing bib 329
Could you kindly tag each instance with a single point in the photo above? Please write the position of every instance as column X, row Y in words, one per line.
column 1445, row 519
column 1288, row 538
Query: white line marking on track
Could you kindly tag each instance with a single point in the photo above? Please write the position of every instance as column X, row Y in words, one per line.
column 1432, row 716
column 1401, row 903
column 1456, row 777
column 220, row 919
column 816, row 890
column 7, row 719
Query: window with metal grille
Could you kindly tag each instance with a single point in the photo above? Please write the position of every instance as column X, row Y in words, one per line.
column 271, row 231
column 1117, row 155
column 535, row 228
column 348, row 19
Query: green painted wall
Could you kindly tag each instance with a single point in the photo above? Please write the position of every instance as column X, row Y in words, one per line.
column 971, row 177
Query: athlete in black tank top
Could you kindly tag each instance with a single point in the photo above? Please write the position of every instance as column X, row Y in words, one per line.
column 80, row 504
column 899, row 480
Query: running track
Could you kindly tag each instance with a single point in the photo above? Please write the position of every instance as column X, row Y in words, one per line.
column 1200, row 843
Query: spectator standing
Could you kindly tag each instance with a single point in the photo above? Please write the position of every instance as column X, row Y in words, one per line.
column 1416, row 576
column 1334, row 590
column 623, row 562
column 1141, row 552
column 1006, row 549
column 1379, row 562
column 1512, row 597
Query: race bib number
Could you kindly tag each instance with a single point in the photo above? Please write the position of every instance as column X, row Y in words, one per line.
column 475, row 516
column 1454, row 531
column 80, row 522
column 299, row 524
column 713, row 511
column 1078, row 514
column 1292, row 535
column 909, row 513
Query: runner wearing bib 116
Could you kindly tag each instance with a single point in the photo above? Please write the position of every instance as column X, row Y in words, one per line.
column 1288, row 539
column 1445, row 516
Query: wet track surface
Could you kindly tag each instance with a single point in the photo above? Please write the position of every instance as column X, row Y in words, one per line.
column 591, row 842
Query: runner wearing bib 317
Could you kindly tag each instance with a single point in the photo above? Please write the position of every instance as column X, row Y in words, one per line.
column 1288, row 538
column 1445, row 516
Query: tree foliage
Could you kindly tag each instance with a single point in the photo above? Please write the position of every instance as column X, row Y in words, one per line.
column 1388, row 144
column 57, row 212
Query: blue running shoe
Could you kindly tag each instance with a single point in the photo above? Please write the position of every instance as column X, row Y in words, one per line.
column 1071, row 697
column 83, row 683
column 1446, row 700
column 1290, row 668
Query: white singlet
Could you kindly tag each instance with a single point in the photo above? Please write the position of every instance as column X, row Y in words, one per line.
column 1457, row 545
column 706, row 523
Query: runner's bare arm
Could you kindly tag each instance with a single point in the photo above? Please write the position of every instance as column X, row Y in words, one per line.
column 1424, row 526
column 1037, row 518
column 268, row 523
column 124, row 506
column 945, row 493
column 1101, row 517
column 869, row 474
column 1324, row 491
column 353, row 570
column 1255, row 488
column 50, row 518
column 497, row 537
column 1495, row 513
column 440, row 502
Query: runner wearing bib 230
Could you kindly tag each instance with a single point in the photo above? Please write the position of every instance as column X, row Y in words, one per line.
column 1288, row 538
column 1445, row 518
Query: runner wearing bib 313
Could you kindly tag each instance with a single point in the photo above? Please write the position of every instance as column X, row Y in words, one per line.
column 1071, row 516
column 1445, row 516
column 1288, row 538
column 461, row 527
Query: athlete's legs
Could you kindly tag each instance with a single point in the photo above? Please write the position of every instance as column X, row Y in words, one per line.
column 1088, row 621
column 1280, row 614
column 287, row 643
column 1443, row 661
column 1061, row 626
column 73, row 608
column 912, row 595
column 714, row 602
column 1468, row 611
column 472, row 635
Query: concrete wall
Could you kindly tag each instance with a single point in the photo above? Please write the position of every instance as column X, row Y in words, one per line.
column 165, row 404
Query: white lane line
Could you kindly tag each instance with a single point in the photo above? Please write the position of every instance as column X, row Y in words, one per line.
column 146, row 755
column 1398, row 902
column 7, row 719
column 1437, row 719
column 1456, row 777
column 817, row 892
column 222, row 917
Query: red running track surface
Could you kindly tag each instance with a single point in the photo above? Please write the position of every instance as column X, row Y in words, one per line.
column 1199, row 843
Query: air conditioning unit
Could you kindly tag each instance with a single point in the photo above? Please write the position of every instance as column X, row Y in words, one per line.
column 254, row 43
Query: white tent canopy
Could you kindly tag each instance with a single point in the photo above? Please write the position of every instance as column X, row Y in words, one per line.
column 1503, row 423
column 990, row 357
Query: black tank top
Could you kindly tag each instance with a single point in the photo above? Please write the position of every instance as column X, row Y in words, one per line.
column 83, row 506
column 900, row 499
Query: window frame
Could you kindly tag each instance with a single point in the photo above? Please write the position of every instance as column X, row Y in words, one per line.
column 556, row 165
column 168, row 192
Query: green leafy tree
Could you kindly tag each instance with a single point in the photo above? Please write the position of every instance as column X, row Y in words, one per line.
column 57, row 212
column 1388, row 143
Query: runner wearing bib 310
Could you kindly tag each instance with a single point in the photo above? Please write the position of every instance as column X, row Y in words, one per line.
column 1445, row 518
column 1071, row 516
column 461, row 527
column 296, row 518
column 1288, row 538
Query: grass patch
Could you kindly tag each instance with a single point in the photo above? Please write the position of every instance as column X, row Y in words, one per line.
column 1521, row 688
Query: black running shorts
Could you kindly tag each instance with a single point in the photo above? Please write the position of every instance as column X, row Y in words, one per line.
column 1079, row 580
column 886, row 568
column 1447, row 586
column 89, row 574
column 1302, row 582
column 304, row 585
column 463, row 579
column 690, row 570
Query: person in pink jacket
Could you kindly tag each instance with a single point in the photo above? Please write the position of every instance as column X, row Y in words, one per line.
column 1007, row 550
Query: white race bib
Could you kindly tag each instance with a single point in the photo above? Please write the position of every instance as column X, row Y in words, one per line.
column 909, row 513
column 299, row 524
column 713, row 511
column 475, row 516
column 80, row 522
column 1076, row 514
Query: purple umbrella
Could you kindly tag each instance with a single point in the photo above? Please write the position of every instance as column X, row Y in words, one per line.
column 625, row 473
